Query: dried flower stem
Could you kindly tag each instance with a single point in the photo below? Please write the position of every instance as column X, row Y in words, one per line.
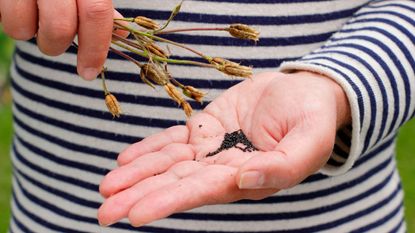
column 161, row 59
column 132, row 30
column 118, row 52
column 189, row 30
column 173, row 14
column 154, row 71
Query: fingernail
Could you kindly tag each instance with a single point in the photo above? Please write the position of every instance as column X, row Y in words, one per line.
column 251, row 180
column 89, row 73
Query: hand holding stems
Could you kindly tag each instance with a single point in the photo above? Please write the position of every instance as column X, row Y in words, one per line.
column 55, row 24
column 291, row 118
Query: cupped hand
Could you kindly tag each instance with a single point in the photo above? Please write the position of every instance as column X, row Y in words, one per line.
column 55, row 24
column 290, row 118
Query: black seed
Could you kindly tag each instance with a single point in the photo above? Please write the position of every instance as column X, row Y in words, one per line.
column 232, row 140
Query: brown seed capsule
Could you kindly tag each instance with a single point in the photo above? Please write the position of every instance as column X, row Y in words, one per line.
column 152, row 73
column 187, row 109
column 194, row 93
column 156, row 50
column 231, row 68
column 178, row 98
column 146, row 23
column 243, row 31
column 113, row 105
column 238, row 70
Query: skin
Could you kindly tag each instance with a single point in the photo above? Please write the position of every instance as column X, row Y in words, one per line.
column 55, row 24
column 291, row 118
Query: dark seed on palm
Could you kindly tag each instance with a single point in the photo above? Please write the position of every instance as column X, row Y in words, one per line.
column 234, row 140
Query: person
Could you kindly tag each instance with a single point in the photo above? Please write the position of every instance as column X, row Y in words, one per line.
column 334, row 82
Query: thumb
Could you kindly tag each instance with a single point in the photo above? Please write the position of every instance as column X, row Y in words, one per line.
column 302, row 152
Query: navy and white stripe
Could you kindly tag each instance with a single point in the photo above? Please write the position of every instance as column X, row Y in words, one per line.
column 65, row 141
column 373, row 58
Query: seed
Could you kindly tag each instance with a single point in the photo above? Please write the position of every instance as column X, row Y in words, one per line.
column 232, row 140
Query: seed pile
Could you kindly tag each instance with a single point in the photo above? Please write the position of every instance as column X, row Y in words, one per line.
column 233, row 140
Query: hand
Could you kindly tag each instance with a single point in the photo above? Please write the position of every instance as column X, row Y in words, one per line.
column 291, row 118
column 55, row 24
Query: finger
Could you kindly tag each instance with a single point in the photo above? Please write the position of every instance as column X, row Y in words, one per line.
column 19, row 18
column 153, row 143
column 117, row 206
column 58, row 22
column 94, row 36
column 122, row 33
column 212, row 184
column 301, row 152
column 145, row 166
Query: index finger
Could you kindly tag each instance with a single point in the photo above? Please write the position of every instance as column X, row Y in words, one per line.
column 153, row 143
column 94, row 35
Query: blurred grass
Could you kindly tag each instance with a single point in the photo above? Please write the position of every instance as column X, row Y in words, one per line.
column 6, row 48
column 406, row 149
column 406, row 166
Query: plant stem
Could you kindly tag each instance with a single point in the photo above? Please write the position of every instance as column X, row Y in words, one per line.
column 172, row 15
column 118, row 52
column 161, row 59
column 132, row 30
column 127, row 41
column 104, row 85
column 125, row 19
column 188, row 30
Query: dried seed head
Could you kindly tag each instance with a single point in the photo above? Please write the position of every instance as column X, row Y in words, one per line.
column 156, row 50
column 243, row 31
column 173, row 93
column 153, row 73
column 187, row 109
column 146, row 23
column 194, row 93
column 239, row 71
column 178, row 98
column 113, row 105
column 231, row 68
column 218, row 61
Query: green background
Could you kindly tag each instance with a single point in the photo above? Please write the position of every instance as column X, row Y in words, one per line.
column 406, row 148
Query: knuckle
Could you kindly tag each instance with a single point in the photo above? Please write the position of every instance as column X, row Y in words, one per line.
column 98, row 10
column 20, row 33
column 58, row 31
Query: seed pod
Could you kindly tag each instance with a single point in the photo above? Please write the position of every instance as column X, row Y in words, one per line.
column 236, row 70
column 231, row 68
column 156, row 50
column 243, row 31
column 193, row 93
column 153, row 73
column 187, row 109
column 178, row 98
column 113, row 105
column 146, row 23
column 218, row 61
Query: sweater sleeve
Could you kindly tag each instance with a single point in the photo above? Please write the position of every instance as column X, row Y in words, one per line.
column 372, row 57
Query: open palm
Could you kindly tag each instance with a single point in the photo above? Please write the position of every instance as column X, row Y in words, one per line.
column 290, row 118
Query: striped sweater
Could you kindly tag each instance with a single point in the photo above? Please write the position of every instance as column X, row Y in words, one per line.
column 65, row 140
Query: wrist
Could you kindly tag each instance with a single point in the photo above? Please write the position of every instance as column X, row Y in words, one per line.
column 342, row 103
